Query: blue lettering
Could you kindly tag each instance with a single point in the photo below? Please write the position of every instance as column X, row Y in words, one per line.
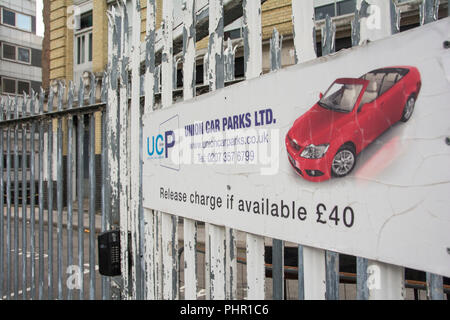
column 159, row 137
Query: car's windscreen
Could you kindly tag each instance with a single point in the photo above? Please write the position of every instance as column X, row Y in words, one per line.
column 341, row 97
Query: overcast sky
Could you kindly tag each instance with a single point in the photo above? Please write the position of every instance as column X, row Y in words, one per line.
column 39, row 19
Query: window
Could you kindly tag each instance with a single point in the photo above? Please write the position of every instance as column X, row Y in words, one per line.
column 232, row 34
column 90, row 47
column 86, row 20
column 323, row 11
column 83, row 39
column 16, row 19
column 23, row 54
column 15, row 53
column 337, row 8
column 80, row 49
column 23, row 86
column 9, row 17
column 23, row 22
column 9, row 52
column 346, row 7
column 8, row 85
column 13, row 86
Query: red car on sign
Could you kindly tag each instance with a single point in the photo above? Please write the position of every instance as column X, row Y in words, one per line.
column 325, row 141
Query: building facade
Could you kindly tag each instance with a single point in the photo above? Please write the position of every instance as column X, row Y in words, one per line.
column 21, row 48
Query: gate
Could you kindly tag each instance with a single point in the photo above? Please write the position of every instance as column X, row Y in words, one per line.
column 48, row 228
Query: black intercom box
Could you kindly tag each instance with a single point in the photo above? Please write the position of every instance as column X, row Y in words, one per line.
column 109, row 253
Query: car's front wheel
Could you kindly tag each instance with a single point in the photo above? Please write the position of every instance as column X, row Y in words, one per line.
column 343, row 162
column 409, row 109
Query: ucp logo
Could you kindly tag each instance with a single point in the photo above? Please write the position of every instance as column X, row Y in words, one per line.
column 160, row 145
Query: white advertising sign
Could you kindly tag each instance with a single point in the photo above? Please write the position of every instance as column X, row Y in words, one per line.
column 348, row 153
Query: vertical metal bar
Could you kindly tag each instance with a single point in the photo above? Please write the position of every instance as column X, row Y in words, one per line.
column 395, row 17
column 217, row 247
column 311, row 284
column 16, row 201
column 230, row 264
column 32, row 199
column 123, row 156
column 277, row 245
column 385, row 282
column 80, row 189
column 24, row 201
column 59, row 192
column 2, row 199
column 278, row 269
column 190, row 226
column 435, row 287
column 135, row 120
column 50, row 196
column 255, row 268
column 70, row 185
column 169, row 223
column 8, row 204
column 92, row 178
column 111, row 128
column 92, row 206
column 41, row 197
column 304, row 30
column 104, row 207
column 429, row 11
column 190, row 259
column 362, row 290
column 301, row 278
column 216, row 75
column 91, row 117
column 215, row 49
column 149, row 215
column 314, row 273
column 332, row 275
column 276, row 43
column 253, row 68
column 328, row 37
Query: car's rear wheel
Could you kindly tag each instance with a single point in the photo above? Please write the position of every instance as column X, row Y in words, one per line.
column 408, row 109
column 343, row 162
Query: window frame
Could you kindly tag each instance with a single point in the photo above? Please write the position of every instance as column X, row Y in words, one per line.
column 3, row 52
column 16, row 53
column 16, row 86
column 29, row 56
column 24, row 81
column 15, row 19
column 3, row 15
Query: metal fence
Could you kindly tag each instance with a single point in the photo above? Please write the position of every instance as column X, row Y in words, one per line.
column 82, row 160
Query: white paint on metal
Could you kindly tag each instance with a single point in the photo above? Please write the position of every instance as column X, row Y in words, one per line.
column 314, row 273
column 215, row 48
column 376, row 24
column 253, row 29
column 190, row 226
column 124, row 172
column 255, row 267
column 135, row 117
column 149, row 247
column 169, row 223
column 385, row 281
column 216, row 238
column 253, row 69
column 231, row 264
column 304, row 30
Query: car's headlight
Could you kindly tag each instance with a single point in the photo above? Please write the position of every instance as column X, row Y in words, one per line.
column 314, row 152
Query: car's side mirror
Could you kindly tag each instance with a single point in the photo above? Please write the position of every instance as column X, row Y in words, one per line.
column 320, row 95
